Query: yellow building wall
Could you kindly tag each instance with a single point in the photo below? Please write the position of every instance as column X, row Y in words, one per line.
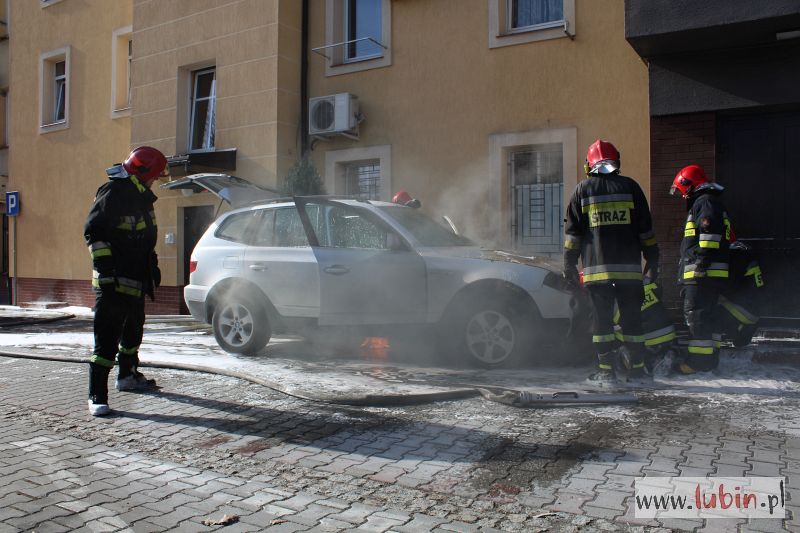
column 257, row 68
column 447, row 93
column 57, row 173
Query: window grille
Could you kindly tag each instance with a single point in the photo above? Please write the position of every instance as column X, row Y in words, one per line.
column 363, row 180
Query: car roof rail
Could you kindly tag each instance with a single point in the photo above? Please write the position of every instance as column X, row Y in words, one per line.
column 307, row 197
column 333, row 197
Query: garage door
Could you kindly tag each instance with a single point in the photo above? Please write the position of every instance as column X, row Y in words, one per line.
column 758, row 162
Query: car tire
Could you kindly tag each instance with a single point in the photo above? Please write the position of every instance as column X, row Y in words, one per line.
column 241, row 326
column 491, row 334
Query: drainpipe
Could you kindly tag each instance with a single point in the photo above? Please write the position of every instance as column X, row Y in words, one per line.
column 304, row 81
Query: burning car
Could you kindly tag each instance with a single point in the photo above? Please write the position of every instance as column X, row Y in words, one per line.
column 312, row 264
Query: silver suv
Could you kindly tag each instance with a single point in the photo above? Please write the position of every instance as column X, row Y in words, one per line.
column 314, row 263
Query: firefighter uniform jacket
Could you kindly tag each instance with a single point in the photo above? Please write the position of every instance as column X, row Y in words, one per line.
column 706, row 239
column 609, row 226
column 121, row 233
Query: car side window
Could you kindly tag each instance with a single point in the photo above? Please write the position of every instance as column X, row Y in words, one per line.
column 289, row 230
column 348, row 228
column 264, row 234
column 235, row 227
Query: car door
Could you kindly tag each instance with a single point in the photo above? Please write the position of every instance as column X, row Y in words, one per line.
column 368, row 273
column 280, row 262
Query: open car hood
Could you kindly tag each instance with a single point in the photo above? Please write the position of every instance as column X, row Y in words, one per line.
column 235, row 191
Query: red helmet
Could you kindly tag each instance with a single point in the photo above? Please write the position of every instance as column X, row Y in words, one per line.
column 688, row 179
column 602, row 158
column 401, row 197
column 145, row 162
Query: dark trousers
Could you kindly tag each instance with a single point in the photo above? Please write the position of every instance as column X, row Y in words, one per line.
column 699, row 310
column 629, row 298
column 118, row 329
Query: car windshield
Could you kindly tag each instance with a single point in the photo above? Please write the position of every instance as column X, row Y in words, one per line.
column 425, row 231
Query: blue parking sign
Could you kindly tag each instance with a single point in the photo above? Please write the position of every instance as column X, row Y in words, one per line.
column 12, row 203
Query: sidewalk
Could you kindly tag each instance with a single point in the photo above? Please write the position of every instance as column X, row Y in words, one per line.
column 206, row 446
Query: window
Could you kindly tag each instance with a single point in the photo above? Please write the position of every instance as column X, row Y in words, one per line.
column 530, row 173
column 54, row 90
column 350, row 229
column 529, row 14
column 265, row 232
column 363, row 180
column 3, row 118
column 522, row 21
column 235, row 227
column 425, row 231
column 338, row 226
column 537, row 188
column 362, row 172
column 59, row 92
column 203, row 109
column 362, row 21
column 289, row 230
column 357, row 36
column 121, row 58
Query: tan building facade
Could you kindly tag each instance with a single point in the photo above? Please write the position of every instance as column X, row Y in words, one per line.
column 63, row 133
column 193, row 79
column 481, row 108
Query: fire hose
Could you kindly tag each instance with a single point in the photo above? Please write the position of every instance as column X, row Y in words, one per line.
column 511, row 397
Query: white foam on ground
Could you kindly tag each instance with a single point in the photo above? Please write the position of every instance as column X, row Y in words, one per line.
column 294, row 366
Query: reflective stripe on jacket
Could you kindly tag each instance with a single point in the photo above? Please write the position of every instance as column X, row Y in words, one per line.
column 609, row 226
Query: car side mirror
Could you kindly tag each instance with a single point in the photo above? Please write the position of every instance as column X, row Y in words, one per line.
column 394, row 242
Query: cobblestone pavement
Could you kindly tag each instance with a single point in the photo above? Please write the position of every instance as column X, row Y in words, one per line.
column 206, row 446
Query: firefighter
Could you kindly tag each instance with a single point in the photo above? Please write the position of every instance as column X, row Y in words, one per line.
column 704, row 265
column 608, row 226
column 403, row 198
column 736, row 322
column 121, row 233
column 658, row 330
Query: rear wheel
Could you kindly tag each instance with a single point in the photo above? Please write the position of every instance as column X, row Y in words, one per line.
column 490, row 334
column 241, row 326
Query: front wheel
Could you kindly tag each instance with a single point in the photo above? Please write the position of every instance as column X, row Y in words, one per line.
column 490, row 334
column 241, row 326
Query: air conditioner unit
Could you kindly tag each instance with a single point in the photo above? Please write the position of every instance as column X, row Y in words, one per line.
column 336, row 114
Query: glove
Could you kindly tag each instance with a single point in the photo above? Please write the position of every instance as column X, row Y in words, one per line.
column 155, row 272
column 109, row 290
column 571, row 277
column 156, row 277
column 651, row 271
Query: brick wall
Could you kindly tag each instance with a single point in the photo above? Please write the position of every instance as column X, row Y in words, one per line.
column 676, row 141
column 80, row 293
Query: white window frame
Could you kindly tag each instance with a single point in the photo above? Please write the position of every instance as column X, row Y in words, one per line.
column 337, row 161
column 119, row 37
column 500, row 147
column 193, row 88
column 335, row 51
column 47, row 62
column 502, row 34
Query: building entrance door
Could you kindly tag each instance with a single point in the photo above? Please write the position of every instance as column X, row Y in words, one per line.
column 758, row 160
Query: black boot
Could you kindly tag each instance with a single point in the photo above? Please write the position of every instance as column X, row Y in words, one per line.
column 98, row 389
